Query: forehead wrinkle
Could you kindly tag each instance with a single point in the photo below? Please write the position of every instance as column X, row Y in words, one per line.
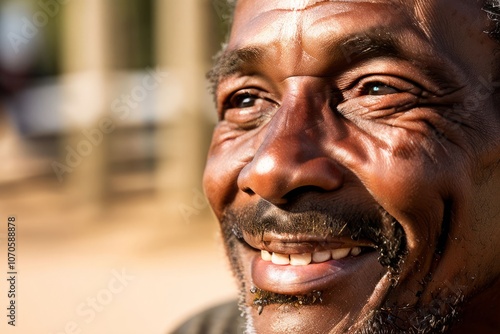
column 289, row 30
column 379, row 25
column 379, row 39
column 229, row 62
column 388, row 40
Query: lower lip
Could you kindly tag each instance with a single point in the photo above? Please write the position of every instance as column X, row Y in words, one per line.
column 301, row 280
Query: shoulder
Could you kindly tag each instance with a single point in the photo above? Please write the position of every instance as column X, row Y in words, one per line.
column 221, row 319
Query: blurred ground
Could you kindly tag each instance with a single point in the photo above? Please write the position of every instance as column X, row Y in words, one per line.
column 169, row 267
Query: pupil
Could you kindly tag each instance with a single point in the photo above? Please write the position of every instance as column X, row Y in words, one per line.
column 381, row 89
column 246, row 101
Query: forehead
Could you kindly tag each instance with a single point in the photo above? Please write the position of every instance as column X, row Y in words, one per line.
column 267, row 20
column 253, row 9
column 294, row 30
column 309, row 29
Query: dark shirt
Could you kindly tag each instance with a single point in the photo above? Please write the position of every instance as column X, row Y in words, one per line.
column 221, row 319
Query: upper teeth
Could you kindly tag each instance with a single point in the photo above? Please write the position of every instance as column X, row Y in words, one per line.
column 306, row 258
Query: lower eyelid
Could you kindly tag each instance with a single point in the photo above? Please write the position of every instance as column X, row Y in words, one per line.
column 401, row 98
column 373, row 106
column 241, row 115
column 250, row 118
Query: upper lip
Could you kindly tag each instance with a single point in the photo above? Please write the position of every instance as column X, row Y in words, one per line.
column 301, row 243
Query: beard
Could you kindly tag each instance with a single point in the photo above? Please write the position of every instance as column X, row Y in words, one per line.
column 438, row 317
column 373, row 224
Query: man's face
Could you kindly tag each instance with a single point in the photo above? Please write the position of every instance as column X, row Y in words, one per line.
column 354, row 169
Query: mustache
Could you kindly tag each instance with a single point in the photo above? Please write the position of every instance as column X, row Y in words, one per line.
column 323, row 219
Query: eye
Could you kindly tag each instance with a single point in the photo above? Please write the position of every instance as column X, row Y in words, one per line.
column 248, row 108
column 379, row 96
column 243, row 100
column 379, row 88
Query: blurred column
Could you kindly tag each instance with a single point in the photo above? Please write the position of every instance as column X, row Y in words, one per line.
column 180, row 48
column 84, row 66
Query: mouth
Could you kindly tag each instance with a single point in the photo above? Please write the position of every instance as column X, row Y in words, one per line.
column 303, row 264
column 298, row 260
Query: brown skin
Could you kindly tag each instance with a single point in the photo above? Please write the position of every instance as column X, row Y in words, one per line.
column 408, row 123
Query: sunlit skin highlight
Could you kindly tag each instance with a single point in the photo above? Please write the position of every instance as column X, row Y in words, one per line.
column 361, row 124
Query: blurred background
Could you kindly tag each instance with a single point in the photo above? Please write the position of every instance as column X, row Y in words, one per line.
column 105, row 121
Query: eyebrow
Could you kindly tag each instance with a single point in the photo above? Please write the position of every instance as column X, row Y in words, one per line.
column 345, row 51
column 367, row 45
column 228, row 63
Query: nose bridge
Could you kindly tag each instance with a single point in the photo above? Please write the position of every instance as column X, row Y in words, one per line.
column 291, row 154
column 294, row 129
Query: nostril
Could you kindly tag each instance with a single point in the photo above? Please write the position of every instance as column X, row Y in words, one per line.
column 248, row 191
column 297, row 192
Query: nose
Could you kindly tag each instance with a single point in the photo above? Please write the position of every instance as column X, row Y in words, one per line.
column 293, row 158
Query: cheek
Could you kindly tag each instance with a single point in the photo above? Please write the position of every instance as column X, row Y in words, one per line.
column 414, row 198
column 412, row 172
column 218, row 182
column 405, row 178
column 226, row 159
column 221, row 176
column 403, row 186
